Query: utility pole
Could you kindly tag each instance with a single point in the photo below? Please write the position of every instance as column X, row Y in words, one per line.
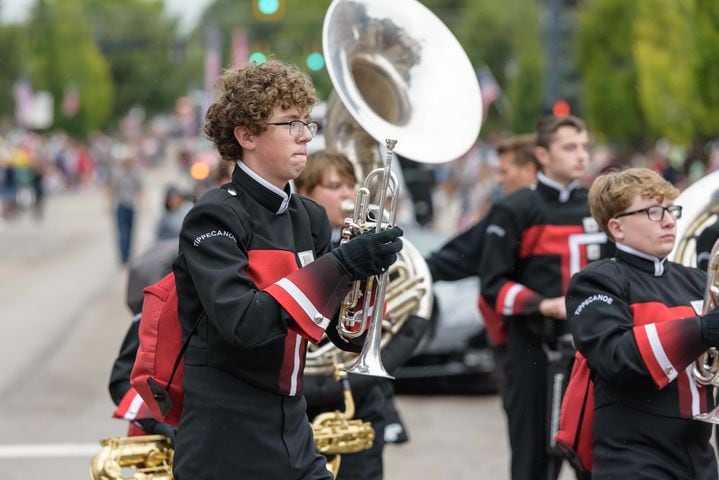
column 562, row 82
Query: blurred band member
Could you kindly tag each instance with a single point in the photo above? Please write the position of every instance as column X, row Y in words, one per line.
column 459, row 257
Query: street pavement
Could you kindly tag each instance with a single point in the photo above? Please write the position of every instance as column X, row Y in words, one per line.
column 62, row 305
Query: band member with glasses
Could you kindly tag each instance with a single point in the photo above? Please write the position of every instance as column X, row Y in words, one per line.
column 256, row 280
column 636, row 318
column 535, row 240
column 329, row 179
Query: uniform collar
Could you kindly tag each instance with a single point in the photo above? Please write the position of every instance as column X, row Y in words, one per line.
column 271, row 197
column 555, row 189
column 654, row 265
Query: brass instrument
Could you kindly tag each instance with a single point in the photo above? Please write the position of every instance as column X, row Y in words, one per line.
column 372, row 289
column 143, row 458
column 706, row 367
column 386, row 61
column 701, row 209
column 336, row 433
column 149, row 457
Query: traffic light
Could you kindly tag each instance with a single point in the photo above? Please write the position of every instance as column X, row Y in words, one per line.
column 257, row 57
column 561, row 108
column 315, row 61
column 268, row 10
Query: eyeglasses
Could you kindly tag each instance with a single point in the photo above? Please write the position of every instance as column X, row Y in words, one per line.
column 656, row 213
column 297, row 127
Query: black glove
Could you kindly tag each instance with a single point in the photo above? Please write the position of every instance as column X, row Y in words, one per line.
column 710, row 328
column 370, row 253
column 153, row 427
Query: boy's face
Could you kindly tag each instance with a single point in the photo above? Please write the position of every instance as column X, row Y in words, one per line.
column 567, row 157
column 511, row 176
column 647, row 236
column 274, row 154
column 331, row 192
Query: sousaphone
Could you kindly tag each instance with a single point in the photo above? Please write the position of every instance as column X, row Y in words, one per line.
column 397, row 72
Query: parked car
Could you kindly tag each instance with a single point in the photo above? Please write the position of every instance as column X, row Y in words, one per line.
column 455, row 354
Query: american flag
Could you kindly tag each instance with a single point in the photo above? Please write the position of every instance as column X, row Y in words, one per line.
column 489, row 88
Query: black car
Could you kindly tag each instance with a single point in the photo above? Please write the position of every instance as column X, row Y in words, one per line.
column 455, row 355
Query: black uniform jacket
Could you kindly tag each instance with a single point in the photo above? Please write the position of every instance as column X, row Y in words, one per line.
column 536, row 239
column 252, row 268
column 634, row 318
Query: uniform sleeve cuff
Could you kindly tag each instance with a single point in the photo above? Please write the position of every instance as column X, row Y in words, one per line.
column 312, row 295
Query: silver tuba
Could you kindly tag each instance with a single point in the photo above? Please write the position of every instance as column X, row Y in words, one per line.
column 701, row 209
column 399, row 73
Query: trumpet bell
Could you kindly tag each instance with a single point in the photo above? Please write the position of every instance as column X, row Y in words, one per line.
column 400, row 73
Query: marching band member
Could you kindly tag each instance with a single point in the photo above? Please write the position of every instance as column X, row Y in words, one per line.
column 535, row 240
column 636, row 319
column 459, row 257
column 256, row 281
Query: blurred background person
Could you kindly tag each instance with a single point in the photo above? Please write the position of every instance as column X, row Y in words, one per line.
column 177, row 204
column 125, row 190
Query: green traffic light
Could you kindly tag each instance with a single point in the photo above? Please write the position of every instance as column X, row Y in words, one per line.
column 315, row 61
column 257, row 57
column 268, row 7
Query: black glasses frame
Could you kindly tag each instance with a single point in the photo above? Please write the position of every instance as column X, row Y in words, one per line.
column 674, row 210
column 313, row 127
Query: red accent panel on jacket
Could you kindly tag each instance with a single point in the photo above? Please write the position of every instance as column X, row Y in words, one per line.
column 267, row 266
column 553, row 240
column 496, row 329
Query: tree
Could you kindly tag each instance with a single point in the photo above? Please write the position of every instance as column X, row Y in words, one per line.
column 609, row 73
column 143, row 51
column 506, row 36
column 666, row 67
column 10, row 59
column 705, row 26
column 63, row 57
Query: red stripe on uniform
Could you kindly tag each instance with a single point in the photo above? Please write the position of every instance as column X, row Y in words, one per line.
column 685, row 395
column 306, row 325
column 288, row 364
column 553, row 240
column 656, row 312
column 650, row 361
column 493, row 324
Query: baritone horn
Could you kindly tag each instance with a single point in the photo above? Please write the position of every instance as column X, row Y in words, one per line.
column 701, row 209
column 706, row 367
column 357, row 313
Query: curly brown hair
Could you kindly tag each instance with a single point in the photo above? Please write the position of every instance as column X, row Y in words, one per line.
column 246, row 96
column 612, row 193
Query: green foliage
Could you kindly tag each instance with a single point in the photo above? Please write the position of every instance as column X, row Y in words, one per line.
column 11, row 60
column 609, row 74
column 506, row 36
column 666, row 66
column 140, row 44
column 706, row 30
column 63, row 55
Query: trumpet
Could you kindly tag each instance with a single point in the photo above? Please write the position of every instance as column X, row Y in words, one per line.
column 362, row 309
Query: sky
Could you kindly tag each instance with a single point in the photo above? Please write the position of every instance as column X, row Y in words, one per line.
column 188, row 10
